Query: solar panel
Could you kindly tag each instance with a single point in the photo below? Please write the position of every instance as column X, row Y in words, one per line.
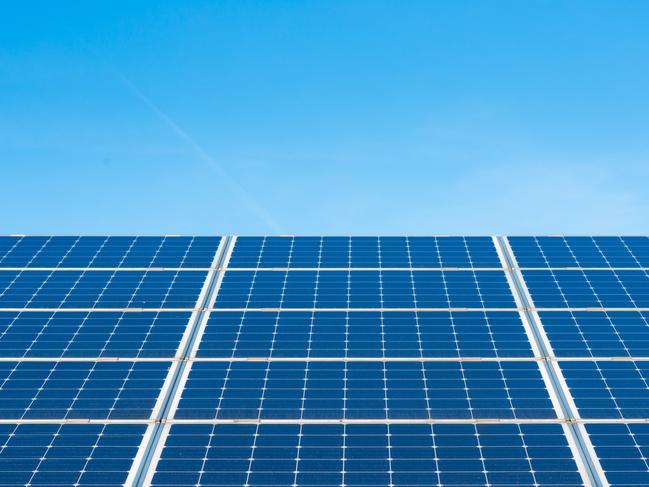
column 80, row 390
column 597, row 334
column 560, row 252
column 68, row 454
column 622, row 452
column 370, row 252
column 588, row 289
column 364, row 289
column 324, row 361
column 609, row 389
column 112, row 252
column 364, row 334
column 65, row 334
column 364, row 390
column 100, row 289
column 366, row 455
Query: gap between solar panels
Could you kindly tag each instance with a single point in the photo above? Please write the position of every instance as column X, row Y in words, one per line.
column 141, row 466
column 557, row 384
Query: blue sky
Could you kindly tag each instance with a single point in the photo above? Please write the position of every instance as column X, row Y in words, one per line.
column 330, row 117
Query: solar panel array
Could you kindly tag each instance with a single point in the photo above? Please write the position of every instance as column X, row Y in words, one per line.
column 324, row 361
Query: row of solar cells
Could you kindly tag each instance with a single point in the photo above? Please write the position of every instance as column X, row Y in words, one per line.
column 366, row 455
column 100, row 289
column 581, row 251
column 364, row 289
column 320, row 455
column 321, row 334
column 292, row 455
column 314, row 252
column 324, row 289
column 111, row 252
column 417, row 252
column 321, row 390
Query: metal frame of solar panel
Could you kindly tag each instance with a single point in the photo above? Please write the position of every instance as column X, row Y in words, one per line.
column 321, row 361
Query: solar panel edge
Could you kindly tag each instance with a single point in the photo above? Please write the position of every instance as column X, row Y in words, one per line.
column 170, row 398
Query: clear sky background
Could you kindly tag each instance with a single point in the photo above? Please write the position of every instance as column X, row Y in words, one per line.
column 324, row 117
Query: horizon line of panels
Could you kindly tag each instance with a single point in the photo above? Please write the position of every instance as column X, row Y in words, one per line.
column 326, row 252
column 109, row 252
column 566, row 251
column 372, row 252
column 310, row 252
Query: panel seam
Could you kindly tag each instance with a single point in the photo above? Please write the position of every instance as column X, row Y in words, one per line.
column 592, row 468
column 152, row 446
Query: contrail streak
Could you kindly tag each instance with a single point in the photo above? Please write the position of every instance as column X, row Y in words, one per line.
column 240, row 192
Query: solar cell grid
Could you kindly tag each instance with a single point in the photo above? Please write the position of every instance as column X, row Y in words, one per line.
column 581, row 251
column 373, row 252
column 609, row 389
column 110, row 252
column 366, row 455
column 622, row 451
column 364, row 289
column 588, row 289
column 364, row 334
column 80, row 390
column 364, row 390
column 100, row 289
column 597, row 334
column 83, row 455
column 91, row 334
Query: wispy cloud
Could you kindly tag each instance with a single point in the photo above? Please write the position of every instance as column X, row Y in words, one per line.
column 240, row 192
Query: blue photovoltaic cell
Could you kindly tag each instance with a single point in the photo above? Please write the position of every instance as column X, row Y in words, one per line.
column 364, row 289
column 622, row 450
column 597, row 334
column 80, row 390
column 609, row 389
column 313, row 252
column 364, row 334
column 100, row 289
column 367, row 455
column 588, row 289
column 581, row 251
column 82, row 455
column 91, row 334
column 364, row 390
column 107, row 251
